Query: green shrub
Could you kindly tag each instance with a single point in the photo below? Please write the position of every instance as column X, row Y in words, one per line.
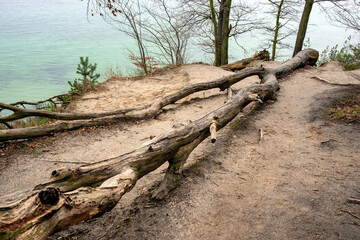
column 88, row 80
column 349, row 55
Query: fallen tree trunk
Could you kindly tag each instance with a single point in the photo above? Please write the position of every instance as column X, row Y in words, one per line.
column 77, row 194
column 235, row 66
column 97, row 119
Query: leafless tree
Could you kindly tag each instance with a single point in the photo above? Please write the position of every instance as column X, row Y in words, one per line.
column 127, row 17
column 218, row 21
column 345, row 13
column 154, row 24
column 345, row 10
column 282, row 15
column 168, row 30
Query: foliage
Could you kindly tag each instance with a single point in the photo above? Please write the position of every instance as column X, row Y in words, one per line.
column 347, row 110
column 89, row 80
column 349, row 55
column 150, row 64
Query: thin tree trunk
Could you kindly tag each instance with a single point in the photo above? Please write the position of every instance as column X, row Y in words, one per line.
column 220, row 33
column 276, row 30
column 303, row 26
column 216, row 38
column 225, row 32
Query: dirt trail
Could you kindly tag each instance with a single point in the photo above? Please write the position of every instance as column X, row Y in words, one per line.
column 293, row 184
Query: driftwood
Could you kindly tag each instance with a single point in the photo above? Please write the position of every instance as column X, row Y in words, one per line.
column 74, row 195
column 235, row 66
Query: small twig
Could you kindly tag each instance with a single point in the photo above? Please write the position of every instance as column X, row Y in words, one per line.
column 352, row 214
column 59, row 161
column 353, row 200
column 38, row 102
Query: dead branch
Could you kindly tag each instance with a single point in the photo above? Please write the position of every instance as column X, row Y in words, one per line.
column 352, row 214
column 353, row 200
column 235, row 66
column 97, row 119
column 51, row 99
column 74, row 195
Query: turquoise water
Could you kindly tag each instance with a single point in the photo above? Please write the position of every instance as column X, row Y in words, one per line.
column 41, row 42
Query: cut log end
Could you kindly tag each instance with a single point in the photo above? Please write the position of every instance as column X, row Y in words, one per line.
column 49, row 196
column 213, row 131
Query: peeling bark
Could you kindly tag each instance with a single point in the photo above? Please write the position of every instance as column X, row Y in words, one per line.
column 235, row 66
column 74, row 195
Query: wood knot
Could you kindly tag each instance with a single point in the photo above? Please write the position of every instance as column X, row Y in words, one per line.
column 55, row 173
column 49, row 196
column 60, row 173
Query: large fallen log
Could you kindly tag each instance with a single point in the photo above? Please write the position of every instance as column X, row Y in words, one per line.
column 97, row 119
column 74, row 195
column 239, row 65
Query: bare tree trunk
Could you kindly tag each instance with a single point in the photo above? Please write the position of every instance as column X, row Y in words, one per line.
column 221, row 31
column 276, row 33
column 74, row 195
column 216, row 37
column 303, row 26
column 225, row 33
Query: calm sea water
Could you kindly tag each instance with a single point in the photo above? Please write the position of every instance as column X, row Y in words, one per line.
column 41, row 42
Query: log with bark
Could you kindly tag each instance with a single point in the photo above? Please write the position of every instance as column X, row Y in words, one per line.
column 235, row 66
column 97, row 119
column 74, row 195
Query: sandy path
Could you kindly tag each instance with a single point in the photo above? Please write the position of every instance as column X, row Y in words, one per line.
column 291, row 185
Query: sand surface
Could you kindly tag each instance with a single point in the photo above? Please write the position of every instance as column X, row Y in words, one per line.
column 293, row 184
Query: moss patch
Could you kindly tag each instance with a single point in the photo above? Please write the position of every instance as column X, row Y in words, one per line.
column 347, row 108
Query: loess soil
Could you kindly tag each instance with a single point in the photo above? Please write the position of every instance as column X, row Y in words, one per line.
column 293, row 183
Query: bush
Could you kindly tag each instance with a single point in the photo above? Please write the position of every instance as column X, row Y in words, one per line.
column 88, row 80
column 150, row 65
column 349, row 55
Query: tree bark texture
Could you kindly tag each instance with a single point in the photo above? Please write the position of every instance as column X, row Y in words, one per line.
column 303, row 26
column 221, row 31
column 225, row 32
column 74, row 195
column 277, row 27
column 235, row 66
column 215, row 26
